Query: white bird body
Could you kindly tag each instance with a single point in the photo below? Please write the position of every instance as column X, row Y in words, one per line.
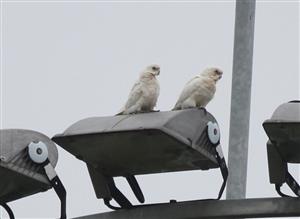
column 144, row 94
column 200, row 90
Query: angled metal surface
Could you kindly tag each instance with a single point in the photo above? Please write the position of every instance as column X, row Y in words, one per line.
column 14, row 141
column 14, row 185
column 19, row 175
column 142, row 143
column 242, row 208
column 283, row 130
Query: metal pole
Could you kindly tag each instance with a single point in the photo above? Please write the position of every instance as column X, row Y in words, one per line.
column 240, row 98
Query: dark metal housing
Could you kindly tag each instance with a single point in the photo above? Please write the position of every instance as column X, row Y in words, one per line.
column 145, row 143
column 27, row 161
column 283, row 130
column 20, row 176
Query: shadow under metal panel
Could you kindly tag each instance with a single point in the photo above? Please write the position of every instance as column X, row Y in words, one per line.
column 15, row 185
column 286, row 137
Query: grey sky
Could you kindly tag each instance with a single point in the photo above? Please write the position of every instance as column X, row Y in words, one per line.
column 65, row 61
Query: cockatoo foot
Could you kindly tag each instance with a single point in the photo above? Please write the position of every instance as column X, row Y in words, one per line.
column 202, row 108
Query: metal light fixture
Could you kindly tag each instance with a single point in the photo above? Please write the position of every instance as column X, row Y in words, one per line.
column 27, row 161
column 283, row 130
column 146, row 143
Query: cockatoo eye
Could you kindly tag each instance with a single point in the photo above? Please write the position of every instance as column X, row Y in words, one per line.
column 154, row 68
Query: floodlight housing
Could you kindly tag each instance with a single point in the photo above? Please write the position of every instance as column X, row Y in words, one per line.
column 27, row 161
column 283, row 130
column 128, row 145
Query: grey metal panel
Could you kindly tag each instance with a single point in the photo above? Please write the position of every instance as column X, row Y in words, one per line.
column 20, row 176
column 169, row 121
column 242, row 208
column 119, row 123
column 142, row 143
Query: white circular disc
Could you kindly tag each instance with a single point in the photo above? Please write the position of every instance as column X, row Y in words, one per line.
column 213, row 132
column 38, row 152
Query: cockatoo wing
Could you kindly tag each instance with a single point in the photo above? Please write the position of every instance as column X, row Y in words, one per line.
column 188, row 91
column 134, row 98
column 135, row 94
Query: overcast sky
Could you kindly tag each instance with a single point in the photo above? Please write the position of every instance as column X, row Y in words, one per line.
column 64, row 61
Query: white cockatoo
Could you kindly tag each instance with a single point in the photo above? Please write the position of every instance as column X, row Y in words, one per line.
column 143, row 96
column 200, row 90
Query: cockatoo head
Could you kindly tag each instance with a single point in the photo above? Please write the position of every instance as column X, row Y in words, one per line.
column 213, row 73
column 152, row 70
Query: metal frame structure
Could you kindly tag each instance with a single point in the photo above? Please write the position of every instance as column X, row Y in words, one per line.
column 237, row 207
column 247, row 208
column 129, row 145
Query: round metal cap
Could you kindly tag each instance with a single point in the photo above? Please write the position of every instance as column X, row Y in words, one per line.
column 38, row 152
column 213, row 132
column 289, row 112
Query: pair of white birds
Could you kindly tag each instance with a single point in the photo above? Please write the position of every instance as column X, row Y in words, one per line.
column 196, row 93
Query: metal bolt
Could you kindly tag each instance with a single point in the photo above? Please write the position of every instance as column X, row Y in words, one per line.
column 39, row 151
column 215, row 131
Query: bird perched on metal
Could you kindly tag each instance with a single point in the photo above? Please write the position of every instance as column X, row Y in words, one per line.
column 144, row 93
column 200, row 90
